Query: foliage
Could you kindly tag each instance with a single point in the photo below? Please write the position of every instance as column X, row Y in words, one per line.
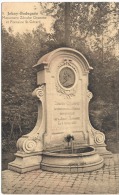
column 19, row 54
column 93, row 31
column 8, row 146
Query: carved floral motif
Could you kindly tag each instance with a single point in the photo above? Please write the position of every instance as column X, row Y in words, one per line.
column 67, row 94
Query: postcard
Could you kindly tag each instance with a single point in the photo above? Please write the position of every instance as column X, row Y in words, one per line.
column 60, row 97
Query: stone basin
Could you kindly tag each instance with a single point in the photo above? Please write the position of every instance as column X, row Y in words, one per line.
column 64, row 161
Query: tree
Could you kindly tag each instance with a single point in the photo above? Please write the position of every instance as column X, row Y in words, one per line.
column 87, row 27
column 19, row 53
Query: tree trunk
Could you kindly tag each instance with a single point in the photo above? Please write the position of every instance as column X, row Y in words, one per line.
column 67, row 24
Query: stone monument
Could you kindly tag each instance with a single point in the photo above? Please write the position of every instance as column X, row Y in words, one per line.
column 63, row 100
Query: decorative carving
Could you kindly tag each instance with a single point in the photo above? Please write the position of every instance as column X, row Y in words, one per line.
column 68, row 92
column 99, row 138
column 67, row 77
column 29, row 144
column 95, row 136
column 38, row 92
column 32, row 142
column 89, row 94
column 26, row 145
column 66, row 62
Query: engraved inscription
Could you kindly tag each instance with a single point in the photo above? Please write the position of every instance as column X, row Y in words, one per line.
column 66, row 116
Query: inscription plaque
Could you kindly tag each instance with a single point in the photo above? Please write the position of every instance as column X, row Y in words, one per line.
column 66, row 116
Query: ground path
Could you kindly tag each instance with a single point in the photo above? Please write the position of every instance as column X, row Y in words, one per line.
column 102, row 181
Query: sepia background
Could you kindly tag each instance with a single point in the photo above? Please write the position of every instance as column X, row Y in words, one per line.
column 92, row 29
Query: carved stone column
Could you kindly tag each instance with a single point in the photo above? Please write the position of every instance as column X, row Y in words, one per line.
column 30, row 146
column 96, row 138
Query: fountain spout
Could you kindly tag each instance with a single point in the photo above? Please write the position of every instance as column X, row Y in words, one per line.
column 72, row 144
column 70, row 139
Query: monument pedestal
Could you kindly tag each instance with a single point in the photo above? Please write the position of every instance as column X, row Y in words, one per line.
column 63, row 111
column 30, row 146
column 103, row 151
column 25, row 162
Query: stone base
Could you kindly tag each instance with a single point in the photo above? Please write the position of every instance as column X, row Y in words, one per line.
column 103, row 151
column 25, row 162
column 72, row 169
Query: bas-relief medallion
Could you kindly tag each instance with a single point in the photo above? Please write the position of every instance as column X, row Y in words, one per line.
column 67, row 77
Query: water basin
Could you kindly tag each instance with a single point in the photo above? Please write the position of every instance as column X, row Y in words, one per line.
column 81, row 160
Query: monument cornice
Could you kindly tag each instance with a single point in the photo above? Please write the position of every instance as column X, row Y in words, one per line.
column 44, row 61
